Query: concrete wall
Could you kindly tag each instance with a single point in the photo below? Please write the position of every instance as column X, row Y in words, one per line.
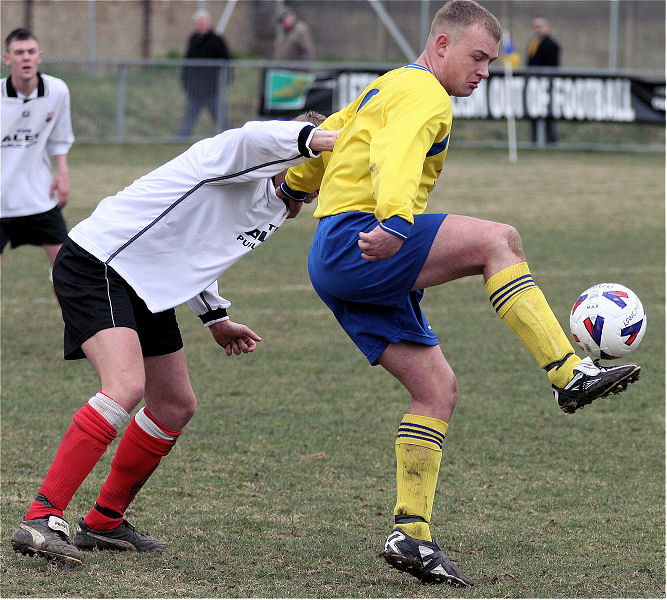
column 345, row 30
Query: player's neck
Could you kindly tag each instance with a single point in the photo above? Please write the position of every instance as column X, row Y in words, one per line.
column 423, row 60
column 25, row 86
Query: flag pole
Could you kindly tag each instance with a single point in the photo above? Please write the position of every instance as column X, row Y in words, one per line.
column 509, row 55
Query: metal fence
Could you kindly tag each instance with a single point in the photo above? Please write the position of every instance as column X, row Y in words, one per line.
column 130, row 101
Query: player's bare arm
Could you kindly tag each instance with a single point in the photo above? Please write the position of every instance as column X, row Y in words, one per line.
column 378, row 244
column 61, row 181
column 235, row 338
column 323, row 140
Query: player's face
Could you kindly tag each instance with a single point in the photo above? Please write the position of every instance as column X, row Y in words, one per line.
column 464, row 59
column 23, row 58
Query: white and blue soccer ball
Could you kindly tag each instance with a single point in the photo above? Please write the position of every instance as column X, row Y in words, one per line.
column 608, row 321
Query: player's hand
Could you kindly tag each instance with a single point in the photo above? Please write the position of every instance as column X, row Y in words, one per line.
column 293, row 206
column 323, row 140
column 60, row 184
column 378, row 244
column 235, row 338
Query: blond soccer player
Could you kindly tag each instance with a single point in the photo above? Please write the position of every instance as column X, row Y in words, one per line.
column 375, row 251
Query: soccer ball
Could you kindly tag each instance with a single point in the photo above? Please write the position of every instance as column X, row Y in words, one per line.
column 608, row 321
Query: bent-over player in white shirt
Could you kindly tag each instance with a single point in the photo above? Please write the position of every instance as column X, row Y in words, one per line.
column 162, row 241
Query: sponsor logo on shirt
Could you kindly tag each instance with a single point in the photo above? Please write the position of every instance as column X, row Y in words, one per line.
column 21, row 138
column 251, row 239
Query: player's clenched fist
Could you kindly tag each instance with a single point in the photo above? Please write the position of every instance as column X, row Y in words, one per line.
column 378, row 244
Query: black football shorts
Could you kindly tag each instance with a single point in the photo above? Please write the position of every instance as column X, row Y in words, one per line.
column 37, row 230
column 94, row 297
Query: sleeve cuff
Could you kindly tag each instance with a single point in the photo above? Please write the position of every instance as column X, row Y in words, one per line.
column 397, row 226
column 214, row 316
column 305, row 137
column 293, row 194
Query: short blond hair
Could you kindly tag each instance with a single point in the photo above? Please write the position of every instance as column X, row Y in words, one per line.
column 463, row 14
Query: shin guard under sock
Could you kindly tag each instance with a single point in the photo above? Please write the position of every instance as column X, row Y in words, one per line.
column 140, row 450
column 83, row 444
column 418, row 454
column 522, row 305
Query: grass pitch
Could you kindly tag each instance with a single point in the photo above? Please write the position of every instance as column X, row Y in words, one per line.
column 283, row 483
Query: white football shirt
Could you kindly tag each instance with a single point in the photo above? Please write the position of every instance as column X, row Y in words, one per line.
column 32, row 130
column 174, row 231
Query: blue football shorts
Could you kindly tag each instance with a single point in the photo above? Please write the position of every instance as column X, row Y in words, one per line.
column 373, row 301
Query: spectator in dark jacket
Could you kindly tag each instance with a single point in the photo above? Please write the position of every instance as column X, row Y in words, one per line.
column 543, row 51
column 202, row 85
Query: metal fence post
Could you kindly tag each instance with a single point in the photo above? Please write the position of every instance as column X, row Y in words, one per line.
column 120, row 102
column 613, row 34
column 224, row 79
column 91, row 37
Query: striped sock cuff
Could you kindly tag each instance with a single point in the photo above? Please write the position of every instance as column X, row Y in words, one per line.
column 422, row 431
column 507, row 285
column 110, row 410
column 146, row 421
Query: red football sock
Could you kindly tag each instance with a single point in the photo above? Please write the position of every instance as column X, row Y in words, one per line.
column 138, row 455
column 83, row 444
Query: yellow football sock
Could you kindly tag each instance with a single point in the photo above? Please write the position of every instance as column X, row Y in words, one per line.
column 522, row 305
column 418, row 453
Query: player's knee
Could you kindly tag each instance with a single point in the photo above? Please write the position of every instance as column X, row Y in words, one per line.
column 447, row 399
column 514, row 242
column 126, row 393
column 449, row 391
column 183, row 408
column 189, row 407
column 508, row 240
column 452, row 390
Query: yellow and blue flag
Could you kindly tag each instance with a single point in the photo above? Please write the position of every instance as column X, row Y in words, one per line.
column 510, row 55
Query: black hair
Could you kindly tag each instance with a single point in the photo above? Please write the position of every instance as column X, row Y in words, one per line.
column 19, row 34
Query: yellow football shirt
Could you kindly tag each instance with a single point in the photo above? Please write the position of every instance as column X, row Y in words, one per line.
column 390, row 150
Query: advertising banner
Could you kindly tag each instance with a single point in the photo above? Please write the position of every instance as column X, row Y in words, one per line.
column 616, row 98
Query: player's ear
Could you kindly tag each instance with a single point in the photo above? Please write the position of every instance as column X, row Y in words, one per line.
column 442, row 42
